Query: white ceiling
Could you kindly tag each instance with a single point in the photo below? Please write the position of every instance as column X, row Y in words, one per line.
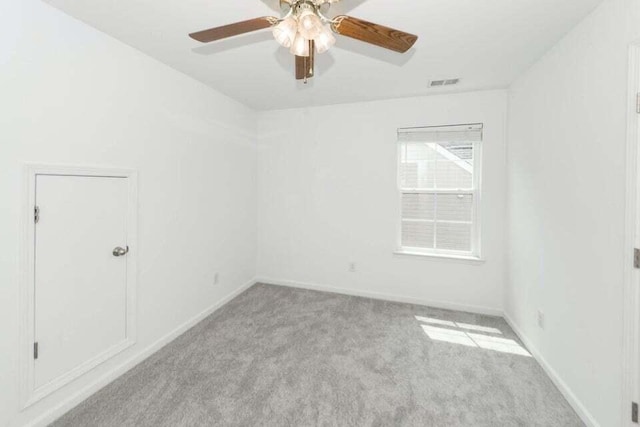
column 486, row 43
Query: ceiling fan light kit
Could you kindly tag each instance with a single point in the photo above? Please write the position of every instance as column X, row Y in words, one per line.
column 306, row 30
column 309, row 23
column 300, row 46
column 285, row 31
column 325, row 40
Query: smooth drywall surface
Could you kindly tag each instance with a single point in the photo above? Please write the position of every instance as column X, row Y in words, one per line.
column 71, row 95
column 329, row 197
column 566, row 198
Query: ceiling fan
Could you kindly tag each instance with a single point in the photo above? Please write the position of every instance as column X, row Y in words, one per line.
column 305, row 30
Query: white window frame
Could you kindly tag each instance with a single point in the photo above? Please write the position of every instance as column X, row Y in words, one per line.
column 476, row 224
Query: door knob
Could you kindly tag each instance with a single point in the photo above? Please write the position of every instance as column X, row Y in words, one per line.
column 118, row 251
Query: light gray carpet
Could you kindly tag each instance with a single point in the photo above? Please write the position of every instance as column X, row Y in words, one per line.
column 277, row 356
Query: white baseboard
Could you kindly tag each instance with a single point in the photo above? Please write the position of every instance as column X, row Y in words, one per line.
column 384, row 296
column 76, row 398
column 566, row 391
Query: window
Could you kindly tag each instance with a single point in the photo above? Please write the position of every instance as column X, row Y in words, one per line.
column 439, row 182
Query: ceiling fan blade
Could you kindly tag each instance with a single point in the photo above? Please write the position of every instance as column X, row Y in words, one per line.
column 218, row 33
column 305, row 65
column 369, row 32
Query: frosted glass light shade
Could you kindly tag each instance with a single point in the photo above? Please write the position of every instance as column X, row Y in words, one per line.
column 285, row 32
column 325, row 40
column 309, row 25
column 300, row 46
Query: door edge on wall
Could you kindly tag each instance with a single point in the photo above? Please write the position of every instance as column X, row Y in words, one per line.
column 631, row 302
column 29, row 395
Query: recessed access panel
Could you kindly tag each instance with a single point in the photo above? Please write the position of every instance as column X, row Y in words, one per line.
column 80, row 277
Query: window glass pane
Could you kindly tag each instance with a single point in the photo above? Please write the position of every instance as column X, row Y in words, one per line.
column 455, row 207
column 418, row 206
column 462, row 150
column 417, row 234
column 420, row 152
column 455, row 237
column 439, row 165
column 409, row 175
column 454, row 165
column 417, row 166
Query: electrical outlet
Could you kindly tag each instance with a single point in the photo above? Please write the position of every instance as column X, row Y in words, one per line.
column 540, row 319
column 352, row 267
column 215, row 279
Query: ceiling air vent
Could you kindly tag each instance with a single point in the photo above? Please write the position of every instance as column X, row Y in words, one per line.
column 441, row 83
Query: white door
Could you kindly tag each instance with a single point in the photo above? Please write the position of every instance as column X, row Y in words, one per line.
column 80, row 284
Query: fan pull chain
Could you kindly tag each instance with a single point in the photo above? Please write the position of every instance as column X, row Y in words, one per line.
column 305, row 70
column 312, row 52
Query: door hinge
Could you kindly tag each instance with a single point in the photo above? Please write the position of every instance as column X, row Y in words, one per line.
column 36, row 214
column 35, row 350
column 636, row 258
column 638, row 103
column 634, row 412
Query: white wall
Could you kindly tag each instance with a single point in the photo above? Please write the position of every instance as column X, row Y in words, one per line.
column 328, row 196
column 71, row 95
column 566, row 198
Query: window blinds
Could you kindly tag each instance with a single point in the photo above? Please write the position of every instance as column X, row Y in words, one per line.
column 458, row 133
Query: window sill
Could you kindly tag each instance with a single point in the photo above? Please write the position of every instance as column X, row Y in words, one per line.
column 444, row 257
